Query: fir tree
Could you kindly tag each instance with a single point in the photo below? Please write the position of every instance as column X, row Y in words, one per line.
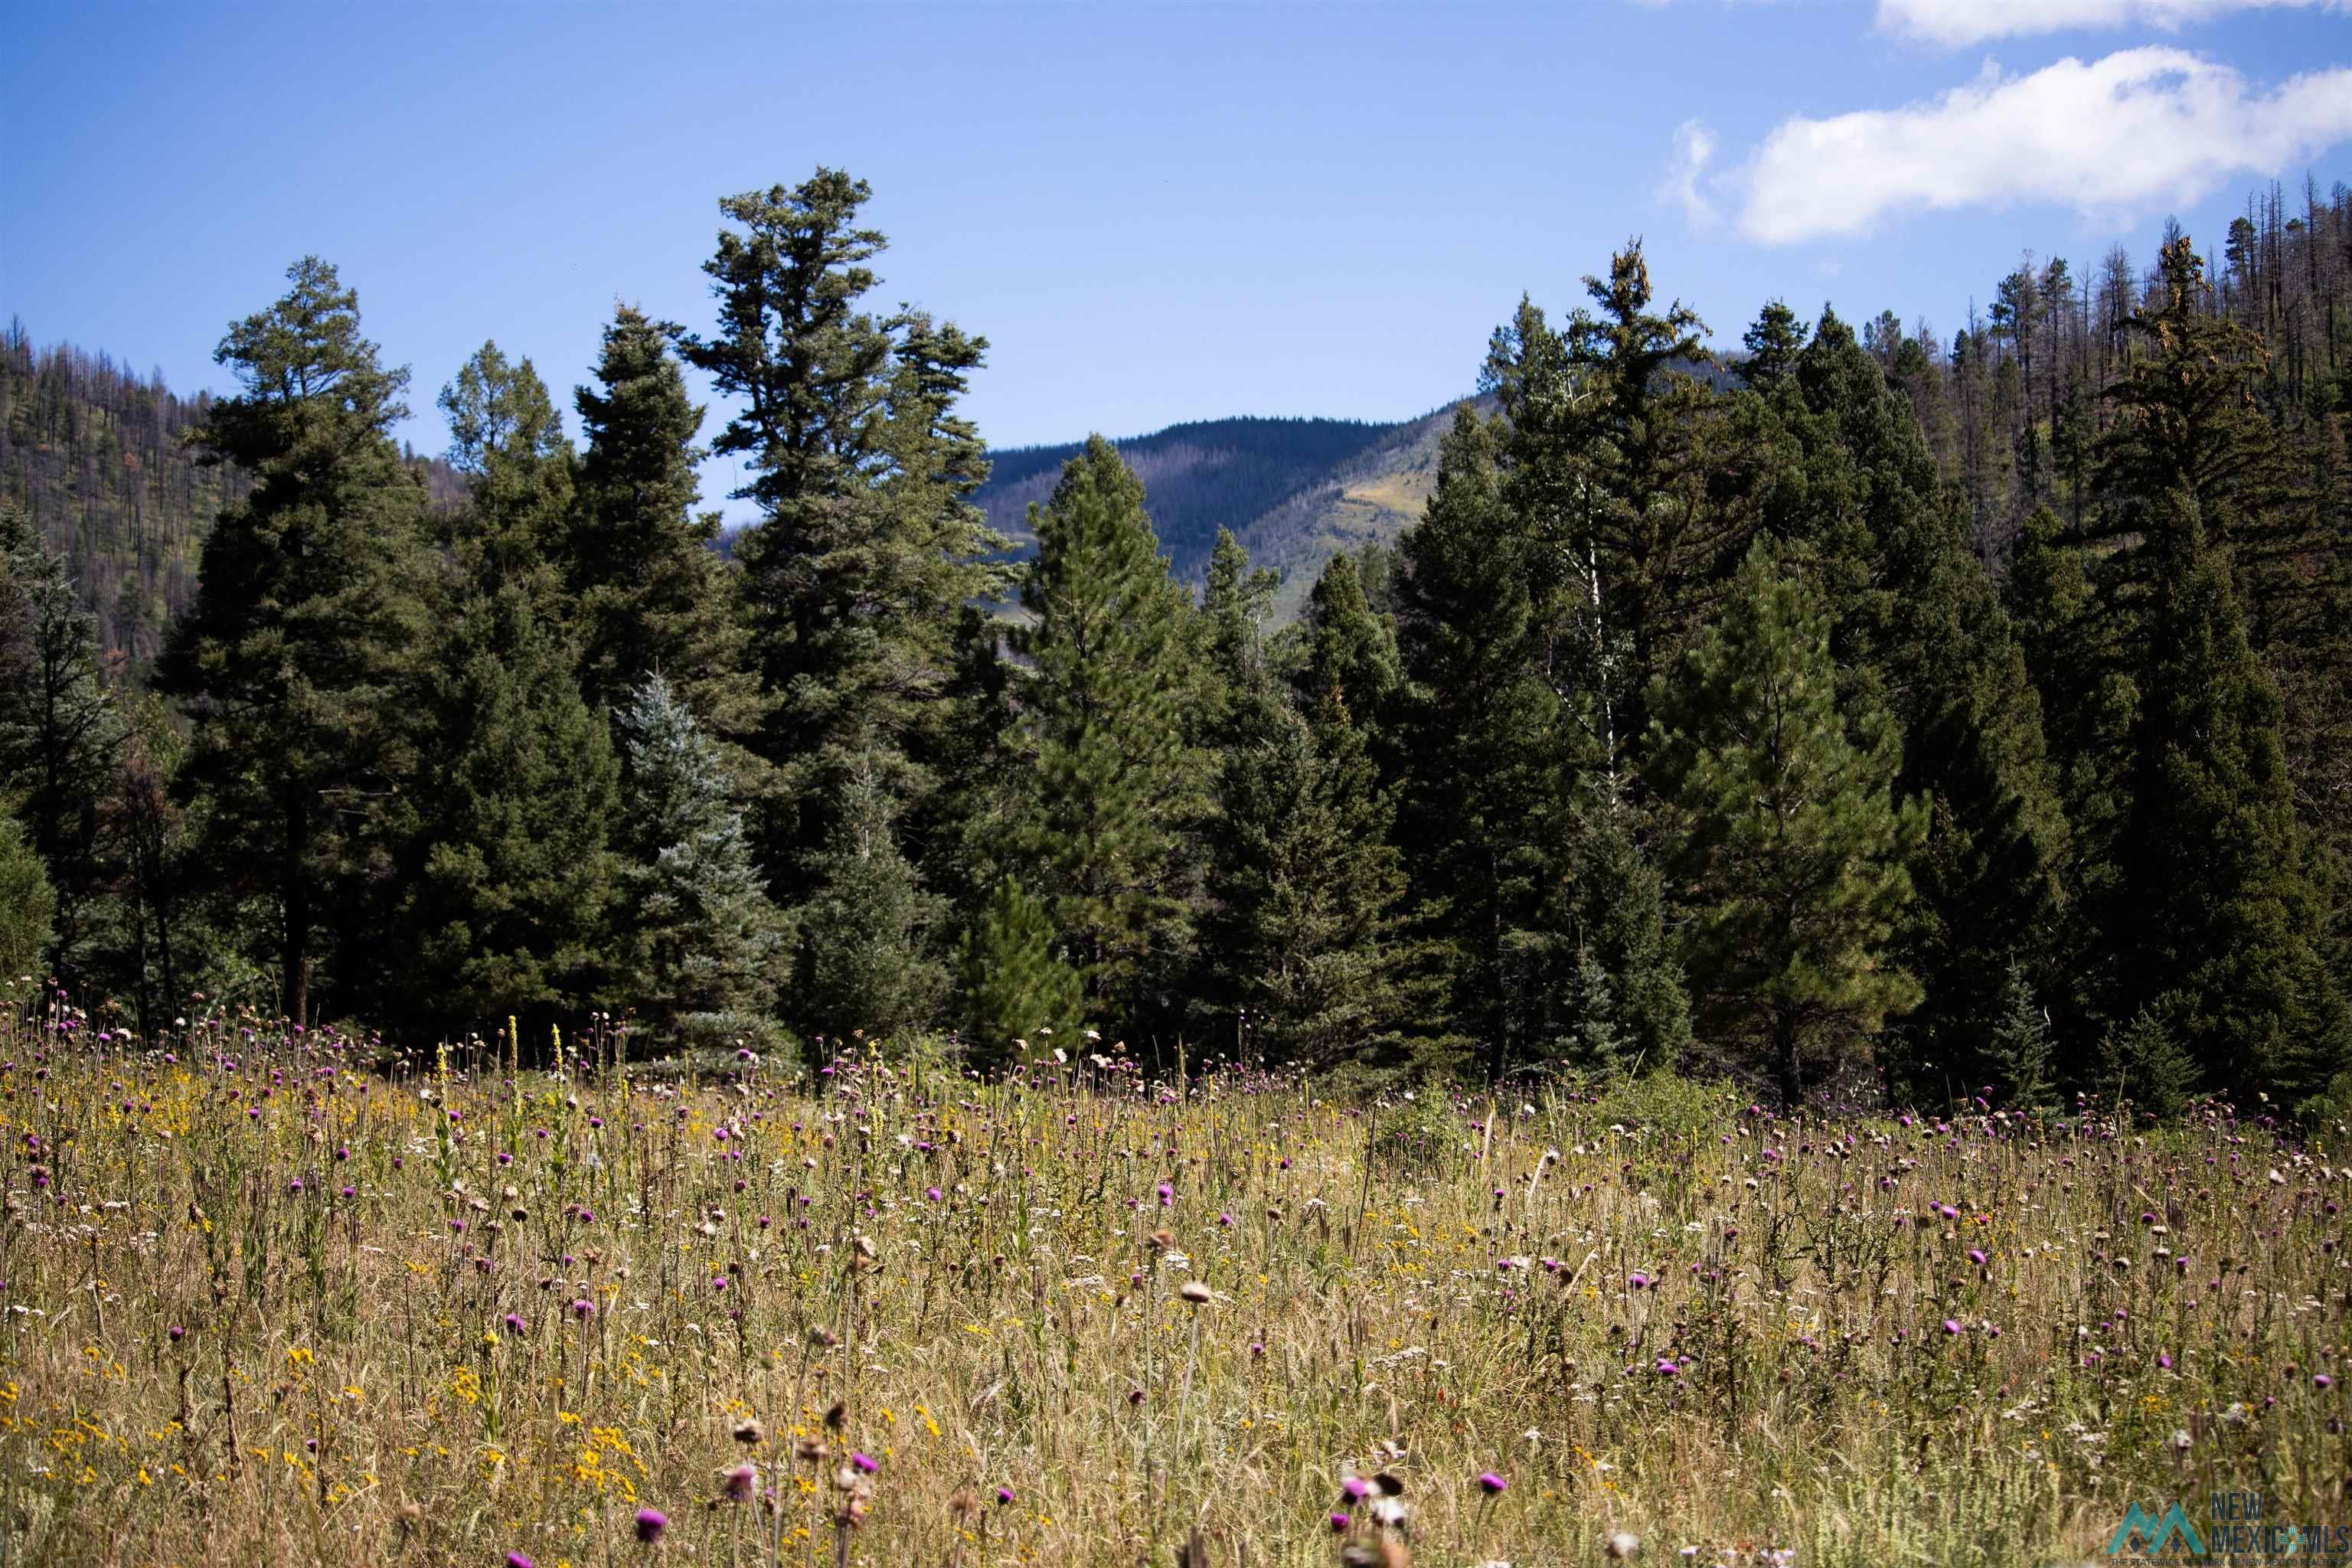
column 1772, row 343
column 698, row 935
column 1011, row 982
column 1114, row 785
column 313, row 602
column 1788, row 834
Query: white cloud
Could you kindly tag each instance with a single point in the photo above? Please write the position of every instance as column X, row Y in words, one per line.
column 2141, row 128
column 1694, row 148
column 1956, row 23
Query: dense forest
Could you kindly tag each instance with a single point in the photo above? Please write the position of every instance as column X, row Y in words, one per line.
column 1865, row 714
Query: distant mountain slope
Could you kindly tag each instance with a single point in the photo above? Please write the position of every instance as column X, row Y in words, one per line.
column 1296, row 491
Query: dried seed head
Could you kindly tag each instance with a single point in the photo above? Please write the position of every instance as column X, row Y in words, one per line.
column 964, row 1503
column 1193, row 1290
column 748, row 1432
column 823, row 1338
column 837, row 1417
column 1622, row 1546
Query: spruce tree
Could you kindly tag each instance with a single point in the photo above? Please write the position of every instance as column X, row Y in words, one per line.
column 1011, row 982
column 697, row 936
column 1307, row 889
column 1114, row 785
column 1789, row 837
column 2022, row 1047
column 312, row 605
column 1349, row 647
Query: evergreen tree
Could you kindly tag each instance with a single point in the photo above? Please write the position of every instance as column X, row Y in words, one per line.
column 698, row 935
column 651, row 594
column 1114, row 785
column 506, row 909
column 1486, row 805
column 1011, row 982
column 2214, row 914
column 868, row 543
column 1306, row 936
column 1234, row 610
column 1628, row 1004
column 2214, row 921
column 506, row 440
column 1916, row 627
column 312, row 605
column 1788, row 833
column 1349, row 647
column 2022, row 1044
column 1773, row 344
column 865, row 955
column 26, row 902
column 60, row 735
column 2142, row 1065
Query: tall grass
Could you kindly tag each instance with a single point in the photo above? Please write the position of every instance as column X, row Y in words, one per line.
column 270, row 1298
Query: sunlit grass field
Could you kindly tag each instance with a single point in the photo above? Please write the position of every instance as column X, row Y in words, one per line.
column 285, row 1299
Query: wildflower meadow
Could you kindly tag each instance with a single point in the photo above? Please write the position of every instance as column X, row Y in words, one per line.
column 280, row 1296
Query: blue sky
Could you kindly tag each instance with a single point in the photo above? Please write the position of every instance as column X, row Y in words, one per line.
column 1154, row 213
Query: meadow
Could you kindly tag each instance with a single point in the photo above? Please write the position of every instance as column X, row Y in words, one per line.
column 278, row 1296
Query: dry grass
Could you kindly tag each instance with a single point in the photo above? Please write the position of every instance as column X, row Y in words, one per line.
column 1413, row 1287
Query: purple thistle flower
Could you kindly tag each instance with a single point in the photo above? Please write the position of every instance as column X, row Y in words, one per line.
column 1976, row 1256
column 864, row 1463
column 651, row 1522
column 1494, row 1485
column 1355, row 1486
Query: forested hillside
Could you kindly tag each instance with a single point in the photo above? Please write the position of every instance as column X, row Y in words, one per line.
column 1865, row 713
column 94, row 455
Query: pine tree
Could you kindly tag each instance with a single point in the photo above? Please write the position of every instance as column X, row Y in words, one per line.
column 1773, row 344
column 506, row 440
column 1789, row 837
column 1011, row 982
column 698, row 935
column 867, row 544
column 312, row 605
column 1104, row 719
column 651, row 594
column 865, row 952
